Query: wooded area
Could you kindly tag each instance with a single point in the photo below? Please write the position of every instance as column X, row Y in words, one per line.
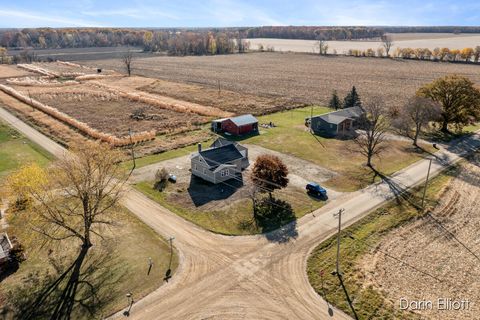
column 313, row 33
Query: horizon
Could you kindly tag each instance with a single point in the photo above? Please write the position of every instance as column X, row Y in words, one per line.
column 227, row 13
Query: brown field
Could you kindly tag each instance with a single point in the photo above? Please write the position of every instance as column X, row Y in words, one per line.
column 7, row 71
column 110, row 113
column 227, row 100
column 292, row 78
column 406, row 40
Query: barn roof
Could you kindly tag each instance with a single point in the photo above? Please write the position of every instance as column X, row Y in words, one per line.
column 244, row 120
column 222, row 155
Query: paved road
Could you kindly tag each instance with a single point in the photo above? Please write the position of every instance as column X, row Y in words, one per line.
column 254, row 277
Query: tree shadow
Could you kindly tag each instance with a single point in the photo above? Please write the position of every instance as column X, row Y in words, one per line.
column 83, row 287
column 276, row 219
column 202, row 192
column 401, row 192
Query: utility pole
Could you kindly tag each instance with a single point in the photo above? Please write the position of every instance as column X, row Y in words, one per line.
column 132, row 150
column 339, row 214
column 426, row 184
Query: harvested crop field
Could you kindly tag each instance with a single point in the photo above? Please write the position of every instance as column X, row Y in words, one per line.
column 293, row 78
column 427, row 245
column 7, row 71
column 110, row 113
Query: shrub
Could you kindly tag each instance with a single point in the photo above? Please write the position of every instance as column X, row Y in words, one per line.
column 161, row 179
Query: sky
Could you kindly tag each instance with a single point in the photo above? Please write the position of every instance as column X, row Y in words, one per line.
column 230, row 13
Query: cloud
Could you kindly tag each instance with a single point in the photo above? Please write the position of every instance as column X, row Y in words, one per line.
column 17, row 18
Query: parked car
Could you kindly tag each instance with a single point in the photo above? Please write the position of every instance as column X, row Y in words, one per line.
column 316, row 190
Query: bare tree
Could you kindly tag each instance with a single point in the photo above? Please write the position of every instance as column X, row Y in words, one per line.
column 375, row 124
column 387, row 43
column 417, row 113
column 127, row 61
column 83, row 187
column 77, row 201
column 322, row 46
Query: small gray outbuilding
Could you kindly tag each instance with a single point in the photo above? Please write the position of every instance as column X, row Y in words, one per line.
column 222, row 161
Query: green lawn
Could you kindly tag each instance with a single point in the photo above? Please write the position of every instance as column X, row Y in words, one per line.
column 15, row 150
column 292, row 137
column 436, row 135
column 230, row 217
column 120, row 263
column 369, row 302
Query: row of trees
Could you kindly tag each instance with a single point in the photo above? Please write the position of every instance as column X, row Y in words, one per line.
column 352, row 99
column 43, row 38
column 200, row 42
column 195, row 43
column 450, row 101
column 314, row 33
column 437, row 54
column 433, row 29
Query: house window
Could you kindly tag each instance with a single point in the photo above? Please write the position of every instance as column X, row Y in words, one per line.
column 225, row 173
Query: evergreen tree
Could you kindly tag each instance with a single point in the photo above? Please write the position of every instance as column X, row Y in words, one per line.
column 352, row 99
column 335, row 101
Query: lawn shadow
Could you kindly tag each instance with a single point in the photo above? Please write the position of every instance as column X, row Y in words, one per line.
column 202, row 192
column 276, row 219
column 240, row 137
column 84, row 286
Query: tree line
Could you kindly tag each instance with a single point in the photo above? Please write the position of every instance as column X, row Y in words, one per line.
column 174, row 42
column 433, row 29
column 314, row 33
column 437, row 54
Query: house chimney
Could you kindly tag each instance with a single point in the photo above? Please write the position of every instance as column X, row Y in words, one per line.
column 199, row 147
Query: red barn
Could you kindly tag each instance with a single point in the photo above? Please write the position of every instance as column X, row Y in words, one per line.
column 237, row 125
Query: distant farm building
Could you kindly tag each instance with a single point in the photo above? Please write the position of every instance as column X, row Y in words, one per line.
column 222, row 161
column 240, row 125
column 337, row 122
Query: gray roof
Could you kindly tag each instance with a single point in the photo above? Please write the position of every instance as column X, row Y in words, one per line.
column 244, row 120
column 220, row 142
column 222, row 155
column 5, row 246
column 336, row 117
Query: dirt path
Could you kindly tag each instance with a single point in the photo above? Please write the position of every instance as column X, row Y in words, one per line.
column 254, row 277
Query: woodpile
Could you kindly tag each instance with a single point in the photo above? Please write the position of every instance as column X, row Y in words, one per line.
column 83, row 127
